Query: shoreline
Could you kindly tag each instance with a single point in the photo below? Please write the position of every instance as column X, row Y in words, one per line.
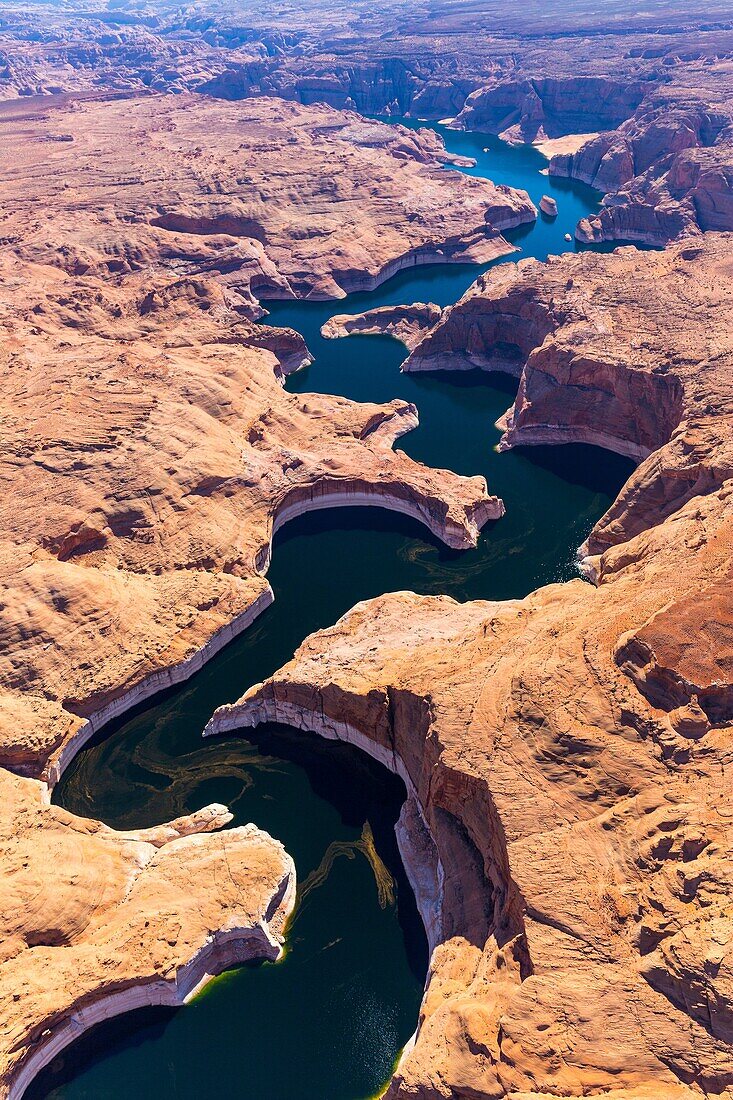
column 428, row 889
column 162, row 679
column 225, row 948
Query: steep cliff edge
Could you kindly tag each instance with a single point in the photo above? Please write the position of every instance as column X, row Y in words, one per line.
column 97, row 922
column 148, row 454
column 668, row 169
column 143, row 412
column 294, row 201
column 533, row 110
column 630, row 351
column 568, row 755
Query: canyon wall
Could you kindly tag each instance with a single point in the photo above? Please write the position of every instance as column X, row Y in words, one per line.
column 149, row 452
column 668, row 170
column 570, row 752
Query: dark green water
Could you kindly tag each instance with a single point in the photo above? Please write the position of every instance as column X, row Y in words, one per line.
column 329, row 1020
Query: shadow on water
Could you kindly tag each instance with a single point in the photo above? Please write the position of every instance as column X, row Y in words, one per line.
column 328, row 1021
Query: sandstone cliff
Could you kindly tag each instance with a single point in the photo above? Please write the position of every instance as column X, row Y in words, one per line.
column 534, row 110
column 149, row 452
column 96, row 922
column 157, row 455
column 627, row 351
column 567, row 756
column 419, row 58
column 144, row 413
column 408, row 324
column 668, row 170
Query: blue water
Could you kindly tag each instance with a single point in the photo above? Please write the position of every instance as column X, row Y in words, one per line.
column 328, row 1022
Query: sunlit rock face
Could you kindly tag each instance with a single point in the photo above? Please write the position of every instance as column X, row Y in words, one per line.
column 149, row 452
column 132, row 269
column 668, row 169
column 568, row 755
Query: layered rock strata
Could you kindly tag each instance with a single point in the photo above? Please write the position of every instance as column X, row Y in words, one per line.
column 96, row 922
column 627, row 351
column 143, row 412
column 535, row 110
column 543, row 74
column 425, row 59
column 156, row 462
column 149, row 453
column 568, row 755
column 293, row 202
column 667, row 170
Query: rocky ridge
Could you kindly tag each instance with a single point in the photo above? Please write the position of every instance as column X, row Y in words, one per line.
column 668, row 169
column 149, row 453
column 655, row 85
column 567, row 756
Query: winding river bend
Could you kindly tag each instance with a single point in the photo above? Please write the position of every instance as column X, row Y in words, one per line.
column 329, row 1020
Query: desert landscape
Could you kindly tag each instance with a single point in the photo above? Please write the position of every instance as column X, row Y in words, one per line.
column 466, row 273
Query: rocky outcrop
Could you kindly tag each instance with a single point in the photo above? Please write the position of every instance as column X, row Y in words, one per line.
column 295, row 202
column 96, row 922
column 129, row 280
column 420, row 59
column 691, row 195
column 627, row 351
column 145, row 525
column 537, row 109
column 668, row 170
column 567, row 756
column 408, row 324
column 149, row 452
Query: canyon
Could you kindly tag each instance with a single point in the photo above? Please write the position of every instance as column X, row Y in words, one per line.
column 566, row 755
column 580, row 735
column 653, row 95
column 145, row 418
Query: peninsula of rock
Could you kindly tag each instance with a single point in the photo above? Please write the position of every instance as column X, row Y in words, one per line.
column 568, row 756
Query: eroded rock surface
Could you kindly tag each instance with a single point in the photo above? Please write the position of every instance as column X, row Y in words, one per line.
column 292, row 201
column 408, row 324
column 668, row 170
column 568, row 755
column 629, row 351
column 424, row 58
column 534, row 110
column 144, row 414
column 149, row 452
column 96, row 922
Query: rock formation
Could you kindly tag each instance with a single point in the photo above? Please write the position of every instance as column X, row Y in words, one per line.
column 163, row 496
column 535, row 110
column 293, row 202
column 668, row 170
column 567, row 756
column 421, row 58
column 149, row 452
column 96, row 922
column 542, row 73
column 408, row 324
column 144, row 528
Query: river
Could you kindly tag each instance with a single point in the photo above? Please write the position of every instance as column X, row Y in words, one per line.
column 329, row 1020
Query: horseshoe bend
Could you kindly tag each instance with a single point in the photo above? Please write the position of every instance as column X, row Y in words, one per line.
column 230, row 301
